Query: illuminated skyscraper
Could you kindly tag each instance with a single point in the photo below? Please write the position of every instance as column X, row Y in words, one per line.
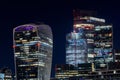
column 32, row 51
column 90, row 41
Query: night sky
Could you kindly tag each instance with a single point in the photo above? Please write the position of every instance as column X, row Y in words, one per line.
column 56, row 14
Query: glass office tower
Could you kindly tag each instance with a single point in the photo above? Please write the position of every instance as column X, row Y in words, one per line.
column 90, row 41
column 32, row 51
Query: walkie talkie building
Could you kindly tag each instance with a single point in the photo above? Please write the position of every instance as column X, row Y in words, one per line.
column 32, row 45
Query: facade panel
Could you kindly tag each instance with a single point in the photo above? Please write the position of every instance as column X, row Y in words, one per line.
column 76, row 49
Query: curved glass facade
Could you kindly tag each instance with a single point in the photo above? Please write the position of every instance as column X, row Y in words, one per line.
column 33, row 52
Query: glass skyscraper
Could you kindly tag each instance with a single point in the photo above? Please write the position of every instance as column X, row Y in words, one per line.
column 32, row 51
column 89, row 50
column 90, row 41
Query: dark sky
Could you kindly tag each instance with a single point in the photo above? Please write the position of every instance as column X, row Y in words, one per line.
column 58, row 15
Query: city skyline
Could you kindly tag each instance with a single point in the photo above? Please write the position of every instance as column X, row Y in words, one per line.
column 59, row 18
column 88, row 48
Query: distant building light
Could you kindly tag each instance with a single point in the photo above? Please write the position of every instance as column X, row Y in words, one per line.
column 102, row 65
column 38, row 44
column 97, row 29
column 14, row 46
column 114, row 71
column 99, row 73
column 97, row 19
column 84, row 26
column 17, row 53
column 82, row 18
column 102, row 27
column 90, row 55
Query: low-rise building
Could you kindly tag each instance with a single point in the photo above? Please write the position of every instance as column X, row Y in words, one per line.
column 5, row 74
